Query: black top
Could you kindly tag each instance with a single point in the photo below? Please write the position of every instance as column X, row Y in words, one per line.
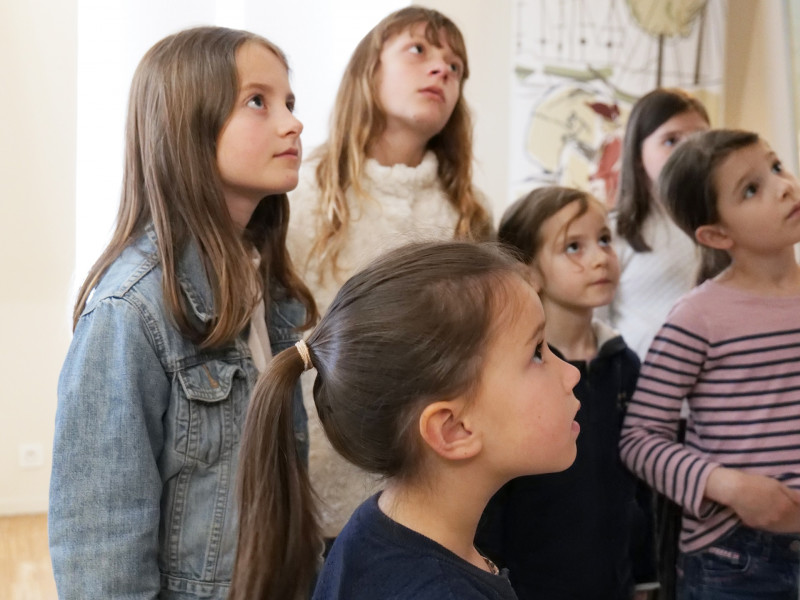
column 584, row 533
column 376, row 558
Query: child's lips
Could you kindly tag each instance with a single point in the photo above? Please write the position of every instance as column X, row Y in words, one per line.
column 794, row 212
column 434, row 91
column 576, row 428
column 291, row 152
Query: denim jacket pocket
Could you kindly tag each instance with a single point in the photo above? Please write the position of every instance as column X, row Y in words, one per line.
column 206, row 419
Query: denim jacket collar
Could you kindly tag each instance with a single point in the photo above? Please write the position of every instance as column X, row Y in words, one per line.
column 192, row 277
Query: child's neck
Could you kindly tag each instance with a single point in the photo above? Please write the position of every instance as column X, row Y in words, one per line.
column 446, row 511
column 570, row 330
column 765, row 275
column 398, row 146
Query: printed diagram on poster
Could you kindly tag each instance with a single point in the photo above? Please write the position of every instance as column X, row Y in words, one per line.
column 579, row 66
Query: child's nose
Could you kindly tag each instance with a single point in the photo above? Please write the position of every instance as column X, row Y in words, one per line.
column 599, row 255
column 292, row 125
column 791, row 187
column 439, row 66
column 571, row 376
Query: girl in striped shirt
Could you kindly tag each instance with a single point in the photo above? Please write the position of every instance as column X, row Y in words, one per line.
column 730, row 348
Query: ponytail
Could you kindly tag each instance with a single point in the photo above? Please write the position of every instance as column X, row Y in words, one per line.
column 279, row 538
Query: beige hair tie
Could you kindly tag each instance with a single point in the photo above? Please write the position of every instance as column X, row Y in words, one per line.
column 302, row 348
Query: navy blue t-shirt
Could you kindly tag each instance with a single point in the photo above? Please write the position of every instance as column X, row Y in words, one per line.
column 376, row 558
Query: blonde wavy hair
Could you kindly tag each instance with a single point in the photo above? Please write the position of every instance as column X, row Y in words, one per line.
column 358, row 120
column 182, row 93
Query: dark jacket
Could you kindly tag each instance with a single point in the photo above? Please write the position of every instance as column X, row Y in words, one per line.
column 584, row 533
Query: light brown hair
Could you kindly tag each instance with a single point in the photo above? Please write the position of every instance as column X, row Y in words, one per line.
column 182, row 93
column 358, row 120
column 382, row 354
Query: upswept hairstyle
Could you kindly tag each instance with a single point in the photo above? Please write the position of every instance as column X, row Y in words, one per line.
column 358, row 120
column 687, row 186
column 521, row 225
column 382, row 354
column 182, row 93
column 634, row 196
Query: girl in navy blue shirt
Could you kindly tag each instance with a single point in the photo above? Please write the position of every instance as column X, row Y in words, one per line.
column 432, row 370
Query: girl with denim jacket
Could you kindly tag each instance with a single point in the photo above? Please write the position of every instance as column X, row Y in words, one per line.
column 188, row 302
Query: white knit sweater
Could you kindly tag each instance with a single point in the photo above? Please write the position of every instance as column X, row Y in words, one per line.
column 406, row 204
column 651, row 282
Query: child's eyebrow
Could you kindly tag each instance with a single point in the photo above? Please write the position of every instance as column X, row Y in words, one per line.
column 264, row 88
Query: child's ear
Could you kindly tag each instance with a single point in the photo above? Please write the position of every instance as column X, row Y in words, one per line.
column 536, row 277
column 443, row 428
column 713, row 236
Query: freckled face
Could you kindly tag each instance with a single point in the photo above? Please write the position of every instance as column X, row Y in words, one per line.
column 525, row 406
column 258, row 149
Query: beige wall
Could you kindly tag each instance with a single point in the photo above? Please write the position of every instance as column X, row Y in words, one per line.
column 758, row 90
column 488, row 31
column 37, row 196
column 38, row 48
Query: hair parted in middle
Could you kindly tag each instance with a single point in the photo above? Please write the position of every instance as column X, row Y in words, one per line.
column 687, row 187
column 382, row 355
column 521, row 224
column 358, row 120
column 183, row 92
column 635, row 193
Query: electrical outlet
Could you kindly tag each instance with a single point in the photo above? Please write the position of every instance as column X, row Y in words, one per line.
column 31, row 456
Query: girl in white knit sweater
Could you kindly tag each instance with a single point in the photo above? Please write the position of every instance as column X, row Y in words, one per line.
column 397, row 167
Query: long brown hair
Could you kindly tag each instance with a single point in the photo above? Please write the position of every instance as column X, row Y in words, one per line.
column 635, row 193
column 358, row 120
column 687, row 187
column 182, row 93
column 381, row 354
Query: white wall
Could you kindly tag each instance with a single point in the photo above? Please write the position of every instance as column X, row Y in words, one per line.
column 38, row 48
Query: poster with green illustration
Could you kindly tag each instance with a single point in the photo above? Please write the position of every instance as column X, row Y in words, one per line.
column 579, row 65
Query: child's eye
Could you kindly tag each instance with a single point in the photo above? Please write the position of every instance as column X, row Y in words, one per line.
column 538, row 353
column 750, row 190
column 572, row 248
column 777, row 167
column 256, row 102
column 605, row 239
column 290, row 105
column 416, row 49
column 671, row 141
column 455, row 68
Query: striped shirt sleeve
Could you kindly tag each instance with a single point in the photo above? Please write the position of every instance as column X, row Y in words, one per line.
column 648, row 443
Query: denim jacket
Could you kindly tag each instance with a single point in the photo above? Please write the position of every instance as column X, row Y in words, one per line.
column 142, row 499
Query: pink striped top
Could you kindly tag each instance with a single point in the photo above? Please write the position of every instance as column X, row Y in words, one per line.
column 735, row 357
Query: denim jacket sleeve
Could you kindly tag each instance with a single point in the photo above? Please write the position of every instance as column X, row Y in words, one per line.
column 105, row 487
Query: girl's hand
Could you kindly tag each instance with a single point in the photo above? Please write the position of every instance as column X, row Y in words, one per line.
column 760, row 502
